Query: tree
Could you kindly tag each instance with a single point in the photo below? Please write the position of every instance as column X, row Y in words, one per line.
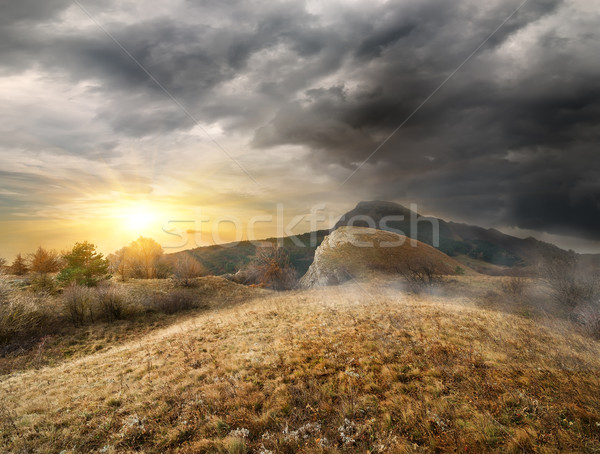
column 84, row 266
column 187, row 268
column 144, row 256
column 44, row 261
column 119, row 262
column 19, row 266
column 2, row 263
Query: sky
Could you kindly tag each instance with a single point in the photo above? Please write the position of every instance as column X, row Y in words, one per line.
column 123, row 118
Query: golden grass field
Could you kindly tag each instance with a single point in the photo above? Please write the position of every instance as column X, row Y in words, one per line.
column 361, row 367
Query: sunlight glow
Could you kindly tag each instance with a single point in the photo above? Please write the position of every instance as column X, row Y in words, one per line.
column 138, row 218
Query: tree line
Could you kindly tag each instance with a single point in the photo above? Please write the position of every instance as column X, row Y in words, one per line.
column 144, row 258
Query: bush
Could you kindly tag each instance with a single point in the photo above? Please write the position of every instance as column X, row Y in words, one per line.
column 78, row 302
column 271, row 269
column 186, row 269
column 514, row 285
column 571, row 285
column 84, row 266
column 43, row 283
column 175, row 301
column 110, row 302
column 588, row 317
column 23, row 315
column 421, row 274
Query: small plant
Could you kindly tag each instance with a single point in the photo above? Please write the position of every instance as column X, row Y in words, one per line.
column 421, row 274
column 19, row 266
column 23, row 315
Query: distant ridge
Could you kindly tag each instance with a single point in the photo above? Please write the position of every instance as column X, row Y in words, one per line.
column 485, row 250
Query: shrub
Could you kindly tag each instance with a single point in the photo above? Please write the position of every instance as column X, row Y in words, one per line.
column 110, row 302
column 42, row 283
column 19, row 266
column 143, row 257
column 175, row 301
column 570, row 284
column 588, row 316
column 514, row 285
column 77, row 302
column 23, row 315
column 186, row 269
column 44, row 261
column 271, row 269
column 421, row 274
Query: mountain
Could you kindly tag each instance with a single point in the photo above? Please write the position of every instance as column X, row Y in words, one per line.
column 358, row 252
column 485, row 250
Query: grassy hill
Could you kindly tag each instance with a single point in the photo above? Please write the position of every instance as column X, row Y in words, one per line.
column 360, row 367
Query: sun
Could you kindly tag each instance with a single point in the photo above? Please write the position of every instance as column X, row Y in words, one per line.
column 139, row 218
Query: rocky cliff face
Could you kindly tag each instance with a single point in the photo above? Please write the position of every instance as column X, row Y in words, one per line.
column 320, row 273
column 358, row 252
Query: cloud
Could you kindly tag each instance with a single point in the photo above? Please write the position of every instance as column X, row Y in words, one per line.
column 510, row 140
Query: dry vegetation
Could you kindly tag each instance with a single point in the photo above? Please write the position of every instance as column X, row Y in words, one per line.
column 362, row 367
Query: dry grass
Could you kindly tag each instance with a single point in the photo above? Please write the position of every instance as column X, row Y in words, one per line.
column 38, row 329
column 355, row 368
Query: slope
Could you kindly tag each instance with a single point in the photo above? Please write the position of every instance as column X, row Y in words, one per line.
column 352, row 368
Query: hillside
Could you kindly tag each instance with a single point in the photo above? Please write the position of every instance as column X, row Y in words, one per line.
column 229, row 258
column 474, row 246
column 358, row 252
column 350, row 368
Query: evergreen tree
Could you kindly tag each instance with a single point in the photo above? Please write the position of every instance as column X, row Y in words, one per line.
column 84, row 266
column 19, row 266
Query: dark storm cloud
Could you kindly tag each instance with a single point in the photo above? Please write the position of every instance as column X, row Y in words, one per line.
column 30, row 10
column 512, row 138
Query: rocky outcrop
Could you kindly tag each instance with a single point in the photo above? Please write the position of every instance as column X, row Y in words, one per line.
column 359, row 252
